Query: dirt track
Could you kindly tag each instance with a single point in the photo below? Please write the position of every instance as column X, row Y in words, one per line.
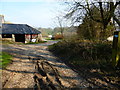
column 20, row 73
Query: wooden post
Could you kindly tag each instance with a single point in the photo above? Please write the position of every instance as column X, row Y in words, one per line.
column 30, row 37
column 116, row 49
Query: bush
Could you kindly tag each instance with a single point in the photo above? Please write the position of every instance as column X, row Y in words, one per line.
column 57, row 36
column 84, row 52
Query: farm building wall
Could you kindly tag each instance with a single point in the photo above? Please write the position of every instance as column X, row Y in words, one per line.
column 26, row 37
column 7, row 37
column 29, row 37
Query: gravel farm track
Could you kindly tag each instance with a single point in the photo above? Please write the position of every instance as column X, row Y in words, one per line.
column 20, row 73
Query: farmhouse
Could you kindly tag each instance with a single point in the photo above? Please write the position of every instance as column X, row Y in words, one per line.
column 20, row 33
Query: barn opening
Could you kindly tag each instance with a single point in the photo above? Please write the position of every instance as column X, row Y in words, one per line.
column 20, row 37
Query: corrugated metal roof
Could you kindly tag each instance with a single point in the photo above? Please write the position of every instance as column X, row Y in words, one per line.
column 18, row 29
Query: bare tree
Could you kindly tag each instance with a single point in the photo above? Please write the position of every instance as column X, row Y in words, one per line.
column 60, row 22
column 106, row 10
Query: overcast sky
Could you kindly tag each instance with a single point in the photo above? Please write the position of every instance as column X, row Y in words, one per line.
column 37, row 13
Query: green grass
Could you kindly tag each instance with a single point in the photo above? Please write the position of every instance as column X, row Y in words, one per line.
column 54, row 39
column 6, row 42
column 19, row 43
column 5, row 59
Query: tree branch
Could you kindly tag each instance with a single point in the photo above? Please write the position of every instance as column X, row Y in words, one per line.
column 117, row 20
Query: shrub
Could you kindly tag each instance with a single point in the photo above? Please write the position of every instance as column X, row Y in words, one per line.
column 84, row 52
column 58, row 36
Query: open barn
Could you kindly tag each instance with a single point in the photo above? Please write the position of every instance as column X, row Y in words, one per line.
column 20, row 33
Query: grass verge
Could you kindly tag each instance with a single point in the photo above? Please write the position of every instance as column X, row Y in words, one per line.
column 5, row 59
column 36, row 42
column 6, row 42
column 19, row 43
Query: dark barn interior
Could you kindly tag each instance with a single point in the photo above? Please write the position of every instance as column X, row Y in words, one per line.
column 19, row 37
column 6, row 35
